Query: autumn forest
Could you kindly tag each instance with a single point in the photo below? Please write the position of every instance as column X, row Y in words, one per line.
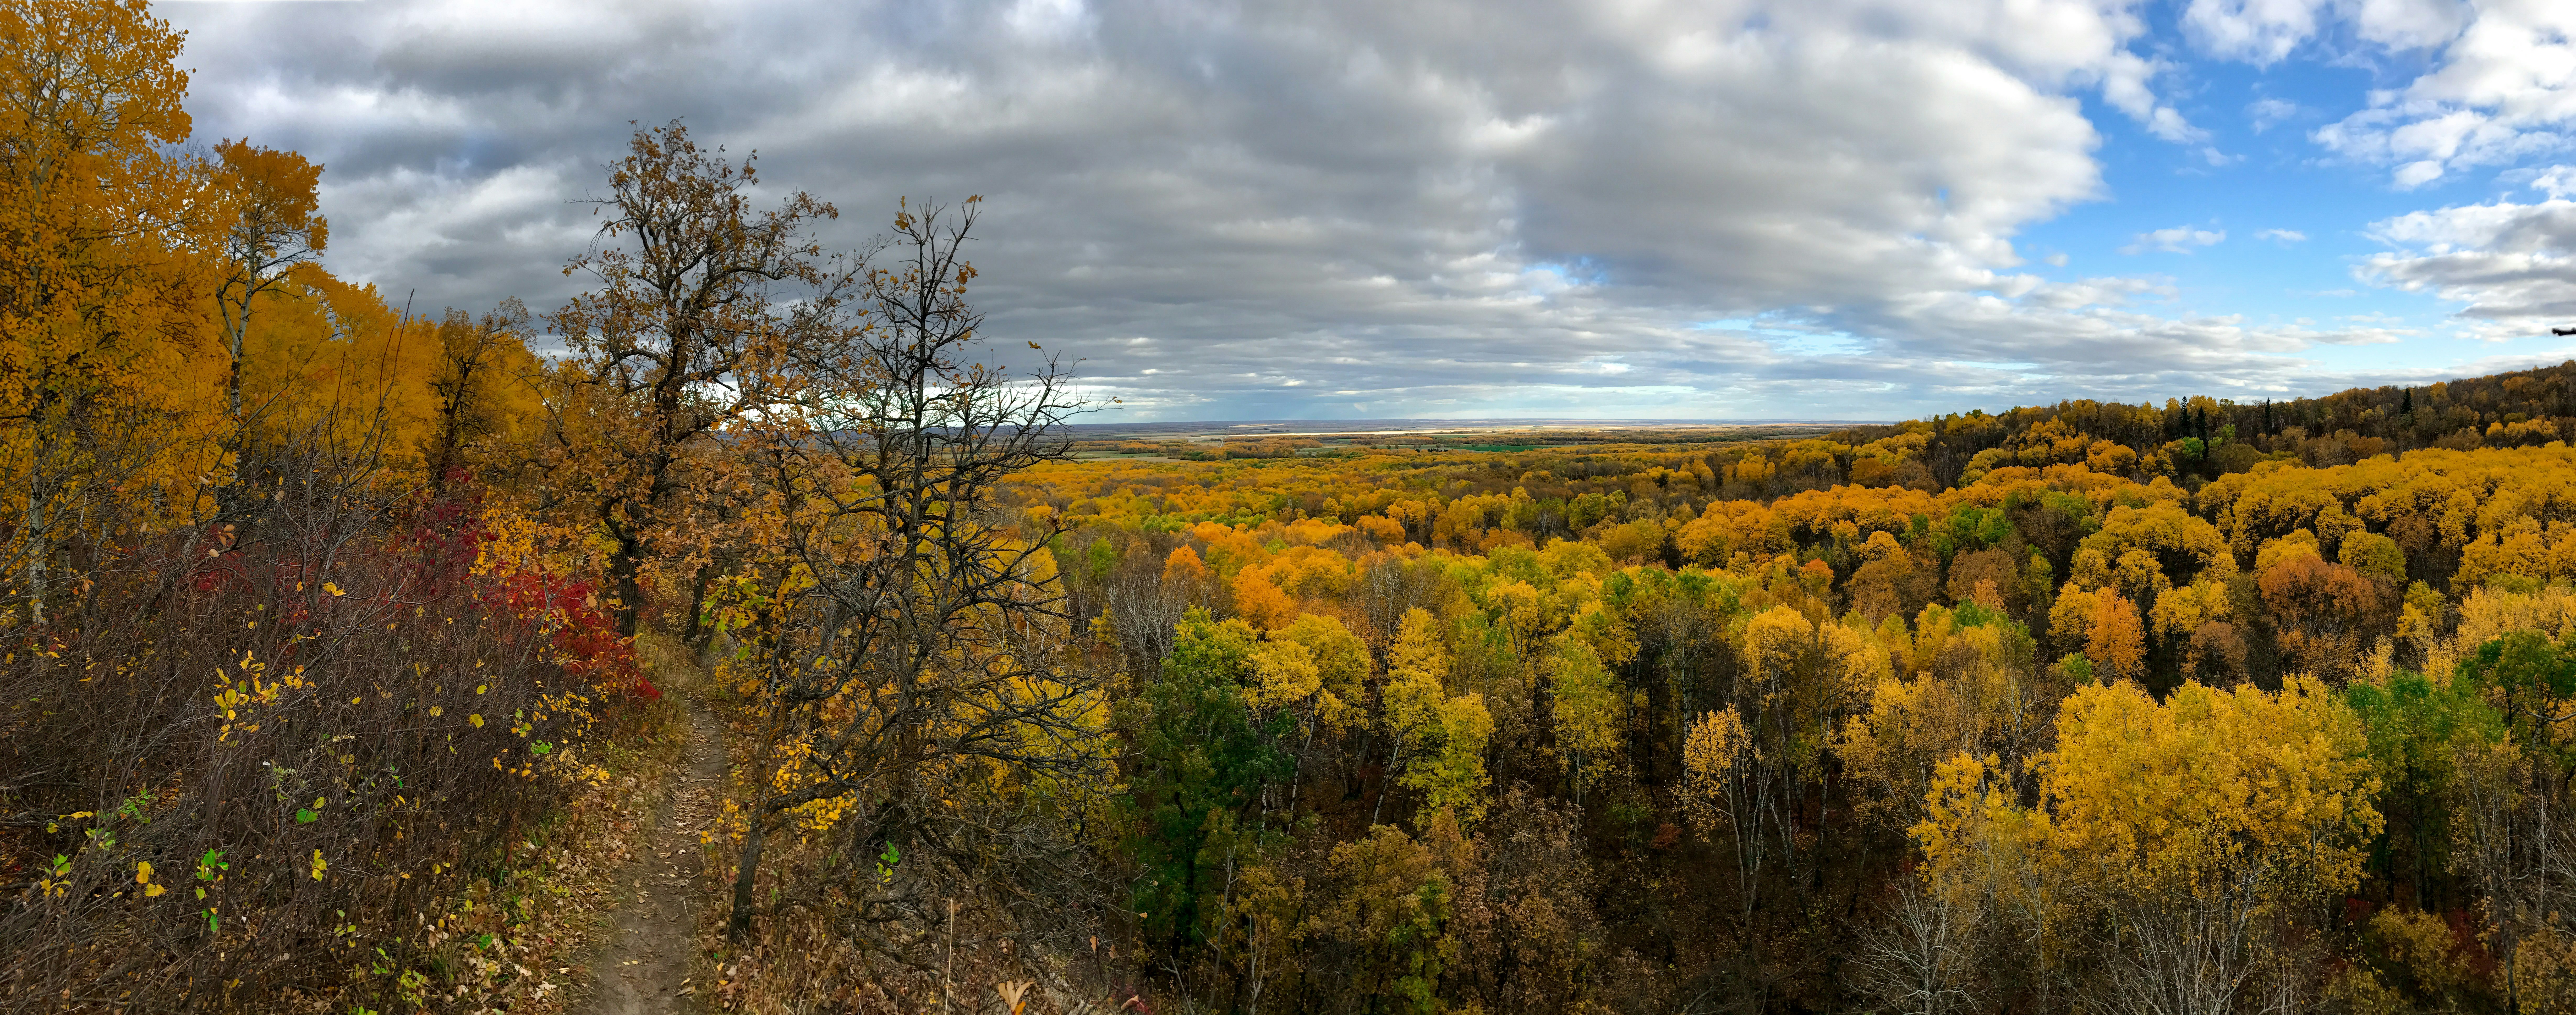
column 358, row 656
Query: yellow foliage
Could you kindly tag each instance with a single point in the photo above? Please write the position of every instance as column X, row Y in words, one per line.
column 1774, row 641
column 2175, row 795
column 2184, row 798
column 2298, row 543
column 2488, row 614
column 1716, row 753
column 2180, row 611
column 1283, row 673
column 2160, row 531
column 1590, row 709
column 1975, row 693
column 1341, row 664
column 1261, row 603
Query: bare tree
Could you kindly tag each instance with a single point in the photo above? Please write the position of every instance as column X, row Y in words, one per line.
column 1144, row 609
column 1917, row 960
column 907, row 641
column 2511, row 845
column 2185, row 952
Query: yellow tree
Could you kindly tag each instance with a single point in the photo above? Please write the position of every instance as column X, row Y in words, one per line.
column 2168, row 828
column 270, row 219
column 1341, row 659
column 1723, row 786
column 1440, row 740
column 95, row 315
column 1980, row 692
column 1590, row 710
column 485, row 385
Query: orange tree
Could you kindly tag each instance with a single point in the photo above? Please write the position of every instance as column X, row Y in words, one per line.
column 94, row 275
column 702, row 318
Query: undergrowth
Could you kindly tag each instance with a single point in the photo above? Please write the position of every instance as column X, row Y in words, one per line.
column 304, row 763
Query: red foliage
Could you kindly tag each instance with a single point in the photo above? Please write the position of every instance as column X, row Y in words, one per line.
column 440, row 542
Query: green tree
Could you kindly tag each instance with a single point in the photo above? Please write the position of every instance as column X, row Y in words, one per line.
column 1202, row 762
column 2531, row 679
column 2416, row 727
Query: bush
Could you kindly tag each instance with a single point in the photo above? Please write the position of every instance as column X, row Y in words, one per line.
column 234, row 770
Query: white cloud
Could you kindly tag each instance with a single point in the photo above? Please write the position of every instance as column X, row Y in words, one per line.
column 2263, row 32
column 2511, row 267
column 2502, row 89
column 2259, row 32
column 2177, row 240
column 2125, row 78
column 2407, row 24
column 2266, row 114
column 2282, row 236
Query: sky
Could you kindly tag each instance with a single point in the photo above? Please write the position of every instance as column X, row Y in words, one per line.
column 1316, row 209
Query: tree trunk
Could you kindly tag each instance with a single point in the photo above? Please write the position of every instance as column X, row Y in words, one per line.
column 695, row 632
column 624, row 578
column 746, row 870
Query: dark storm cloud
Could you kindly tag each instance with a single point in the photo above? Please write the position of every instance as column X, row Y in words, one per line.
column 1291, row 209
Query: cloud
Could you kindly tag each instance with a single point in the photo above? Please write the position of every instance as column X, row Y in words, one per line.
column 2125, row 78
column 2500, row 86
column 2266, row 114
column 2282, row 236
column 2511, row 267
column 2177, row 240
column 2502, row 89
column 1283, row 209
column 2264, row 32
column 2259, row 32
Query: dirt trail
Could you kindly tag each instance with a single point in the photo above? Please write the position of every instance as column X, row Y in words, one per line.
column 640, row 969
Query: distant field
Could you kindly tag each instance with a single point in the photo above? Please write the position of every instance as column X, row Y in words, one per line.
column 1570, row 430
column 1283, row 438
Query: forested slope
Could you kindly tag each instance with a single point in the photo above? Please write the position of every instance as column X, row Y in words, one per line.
column 1804, row 726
